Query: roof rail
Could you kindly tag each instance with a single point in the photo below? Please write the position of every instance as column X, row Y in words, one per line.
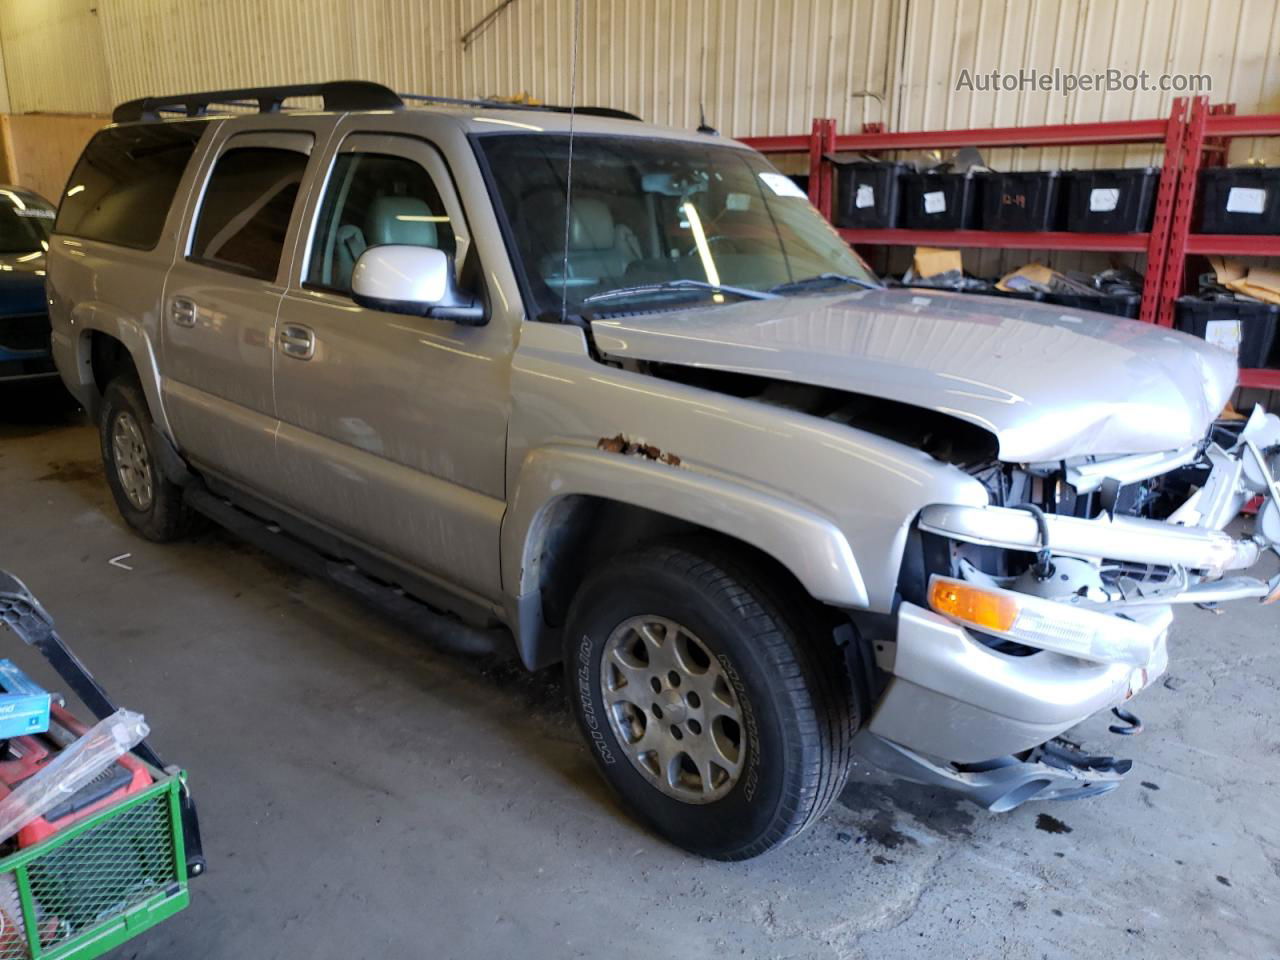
column 503, row 105
column 339, row 95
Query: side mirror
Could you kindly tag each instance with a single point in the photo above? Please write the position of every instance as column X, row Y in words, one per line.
column 400, row 278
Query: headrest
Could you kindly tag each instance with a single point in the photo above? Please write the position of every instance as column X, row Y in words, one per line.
column 591, row 226
column 400, row 220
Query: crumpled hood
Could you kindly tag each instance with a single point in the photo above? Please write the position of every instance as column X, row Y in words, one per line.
column 1048, row 382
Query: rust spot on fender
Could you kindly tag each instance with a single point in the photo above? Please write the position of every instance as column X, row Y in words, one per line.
column 620, row 444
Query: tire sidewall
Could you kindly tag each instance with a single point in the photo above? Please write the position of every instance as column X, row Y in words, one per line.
column 121, row 397
column 724, row 828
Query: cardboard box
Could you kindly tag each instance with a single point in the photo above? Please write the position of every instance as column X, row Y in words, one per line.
column 24, row 707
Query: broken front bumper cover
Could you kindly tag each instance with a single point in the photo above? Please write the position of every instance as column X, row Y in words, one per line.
column 953, row 697
column 1057, row 770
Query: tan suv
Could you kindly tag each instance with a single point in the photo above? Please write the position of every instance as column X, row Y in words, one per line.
column 621, row 390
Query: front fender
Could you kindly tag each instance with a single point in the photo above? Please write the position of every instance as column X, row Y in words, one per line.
column 807, row 544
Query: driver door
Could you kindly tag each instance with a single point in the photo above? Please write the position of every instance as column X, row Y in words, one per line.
column 392, row 427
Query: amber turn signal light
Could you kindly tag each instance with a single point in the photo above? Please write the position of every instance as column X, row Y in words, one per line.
column 982, row 608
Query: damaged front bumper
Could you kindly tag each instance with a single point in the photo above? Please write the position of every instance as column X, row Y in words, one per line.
column 987, row 676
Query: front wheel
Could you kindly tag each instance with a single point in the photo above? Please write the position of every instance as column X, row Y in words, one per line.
column 719, row 709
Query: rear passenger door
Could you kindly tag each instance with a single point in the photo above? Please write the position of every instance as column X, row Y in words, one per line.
column 221, row 299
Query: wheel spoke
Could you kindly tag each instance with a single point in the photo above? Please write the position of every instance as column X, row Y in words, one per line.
column 656, row 672
column 132, row 464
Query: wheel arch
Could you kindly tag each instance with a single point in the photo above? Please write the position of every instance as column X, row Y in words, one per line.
column 108, row 343
column 572, row 508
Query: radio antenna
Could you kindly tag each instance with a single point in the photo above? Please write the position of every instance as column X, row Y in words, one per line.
column 568, row 177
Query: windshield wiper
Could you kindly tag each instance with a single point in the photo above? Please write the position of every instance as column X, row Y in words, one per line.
column 824, row 279
column 667, row 286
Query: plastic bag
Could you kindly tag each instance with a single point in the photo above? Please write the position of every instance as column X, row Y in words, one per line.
column 102, row 745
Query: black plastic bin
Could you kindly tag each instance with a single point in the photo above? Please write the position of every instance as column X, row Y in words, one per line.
column 1025, row 201
column 1240, row 200
column 1257, row 324
column 867, row 194
column 1120, row 305
column 1109, row 201
column 938, row 201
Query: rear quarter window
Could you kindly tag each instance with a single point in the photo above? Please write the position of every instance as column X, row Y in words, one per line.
column 124, row 183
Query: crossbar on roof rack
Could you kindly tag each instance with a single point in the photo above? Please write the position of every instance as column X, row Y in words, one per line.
column 338, row 95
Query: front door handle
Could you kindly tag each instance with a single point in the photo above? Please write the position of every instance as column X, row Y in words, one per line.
column 298, row 341
column 183, row 311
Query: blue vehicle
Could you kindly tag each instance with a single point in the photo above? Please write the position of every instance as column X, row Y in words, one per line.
column 26, row 219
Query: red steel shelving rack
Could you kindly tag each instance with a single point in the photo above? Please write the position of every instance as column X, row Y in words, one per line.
column 1191, row 131
column 1214, row 125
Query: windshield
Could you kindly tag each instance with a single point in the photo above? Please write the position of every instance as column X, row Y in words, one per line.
column 645, row 213
column 25, row 220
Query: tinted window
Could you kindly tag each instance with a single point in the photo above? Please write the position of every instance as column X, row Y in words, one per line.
column 123, row 185
column 246, row 209
column 24, row 222
column 374, row 199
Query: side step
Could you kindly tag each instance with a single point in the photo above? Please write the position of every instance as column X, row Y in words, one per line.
column 442, row 629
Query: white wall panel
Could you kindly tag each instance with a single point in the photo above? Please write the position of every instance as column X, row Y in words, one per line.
column 758, row 66
column 54, row 56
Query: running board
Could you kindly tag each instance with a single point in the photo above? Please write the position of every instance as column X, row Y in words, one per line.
column 442, row 629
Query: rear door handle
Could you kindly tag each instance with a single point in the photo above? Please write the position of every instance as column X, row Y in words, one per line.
column 183, row 311
column 298, row 341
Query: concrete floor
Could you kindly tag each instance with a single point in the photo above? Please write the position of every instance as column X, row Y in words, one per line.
column 364, row 795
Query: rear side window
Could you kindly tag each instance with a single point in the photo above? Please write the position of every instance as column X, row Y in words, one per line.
column 122, row 187
column 246, row 210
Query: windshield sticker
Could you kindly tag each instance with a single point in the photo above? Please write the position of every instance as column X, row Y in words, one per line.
column 782, row 186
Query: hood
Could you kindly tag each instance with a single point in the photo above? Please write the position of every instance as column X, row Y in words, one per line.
column 1050, row 383
column 21, row 284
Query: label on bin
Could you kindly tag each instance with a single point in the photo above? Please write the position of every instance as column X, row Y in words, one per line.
column 935, row 201
column 1223, row 333
column 1246, row 200
column 865, row 197
column 1104, row 199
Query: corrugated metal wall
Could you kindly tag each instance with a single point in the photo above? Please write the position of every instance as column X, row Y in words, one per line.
column 755, row 66
column 758, row 66
column 54, row 56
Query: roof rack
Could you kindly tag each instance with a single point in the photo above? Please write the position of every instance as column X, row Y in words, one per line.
column 588, row 111
column 338, row 95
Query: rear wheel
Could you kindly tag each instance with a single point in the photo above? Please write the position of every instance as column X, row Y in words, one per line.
column 719, row 709
column 146, row 498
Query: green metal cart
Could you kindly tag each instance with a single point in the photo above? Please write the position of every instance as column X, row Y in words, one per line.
column 100, row 882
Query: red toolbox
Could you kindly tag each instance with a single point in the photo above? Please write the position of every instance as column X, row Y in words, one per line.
column 26, row 755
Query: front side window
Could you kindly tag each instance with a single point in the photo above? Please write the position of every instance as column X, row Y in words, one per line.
column 650, row 212
column 245, row 214
column 374, row 199
column 25, row 220
column 124, row 183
